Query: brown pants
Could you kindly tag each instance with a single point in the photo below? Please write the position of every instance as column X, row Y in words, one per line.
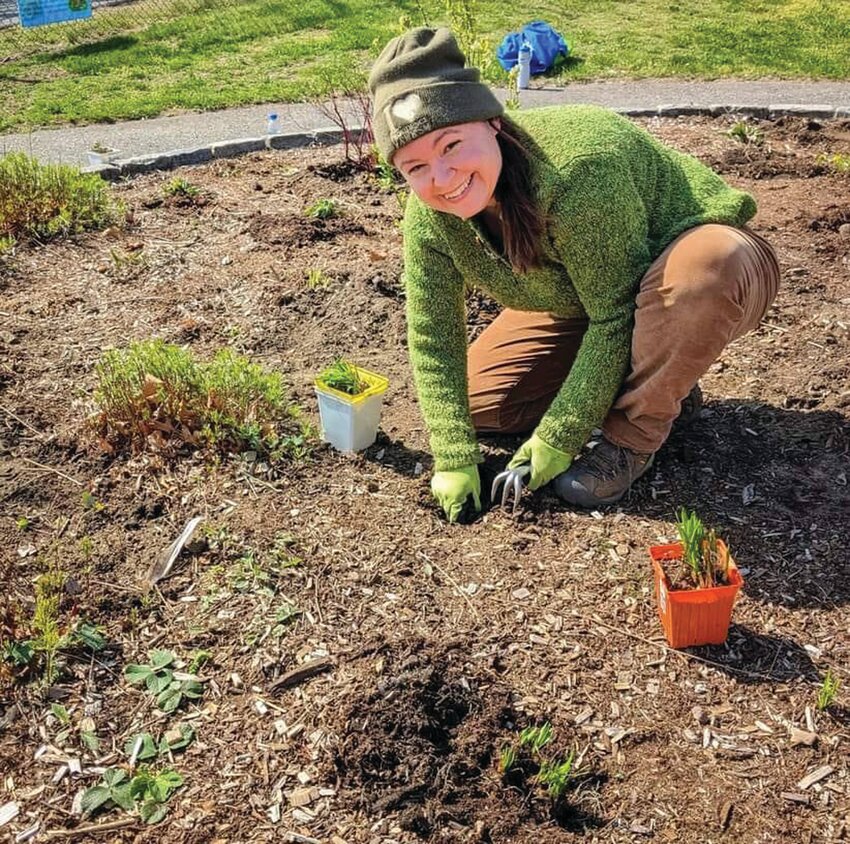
column 709, row 286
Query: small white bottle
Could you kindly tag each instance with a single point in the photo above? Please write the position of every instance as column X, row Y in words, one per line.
column 273, row 125
column 524, row 62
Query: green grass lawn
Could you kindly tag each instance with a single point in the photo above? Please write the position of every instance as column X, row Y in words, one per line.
column 289, row 50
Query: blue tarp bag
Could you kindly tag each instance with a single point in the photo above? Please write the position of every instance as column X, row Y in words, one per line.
column 546, row 45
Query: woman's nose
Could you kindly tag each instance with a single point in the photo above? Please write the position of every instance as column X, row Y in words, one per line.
column 443, row 174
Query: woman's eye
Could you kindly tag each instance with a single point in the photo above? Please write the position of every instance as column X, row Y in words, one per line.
column 415, row 169
column 451, row 146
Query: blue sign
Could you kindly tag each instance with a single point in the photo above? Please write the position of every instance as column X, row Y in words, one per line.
column 41, row 12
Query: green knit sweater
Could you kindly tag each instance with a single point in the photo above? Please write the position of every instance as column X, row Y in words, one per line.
column 614, row 197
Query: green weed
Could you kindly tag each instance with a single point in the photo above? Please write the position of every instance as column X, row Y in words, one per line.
column 317, row 279
column 324, row 209
column 147, row 791
column 180, row 187
column 43, row 201
column 152, row 392
column 746, row 133
column 343, row 376
column 22, row 524
column 828, row 691
column 838, row 162
column 169, row 687
column 536, row 738
column 556, row 775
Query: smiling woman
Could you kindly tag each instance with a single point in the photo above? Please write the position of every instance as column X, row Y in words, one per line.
column 624, row 267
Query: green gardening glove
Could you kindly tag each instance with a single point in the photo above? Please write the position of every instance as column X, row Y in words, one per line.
column 452, row 488
column 546, row 462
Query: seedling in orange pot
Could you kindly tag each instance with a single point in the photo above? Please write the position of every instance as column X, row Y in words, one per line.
column 696, row 584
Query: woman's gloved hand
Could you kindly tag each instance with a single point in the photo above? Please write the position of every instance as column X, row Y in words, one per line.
column 546, row 462
column 452, row 488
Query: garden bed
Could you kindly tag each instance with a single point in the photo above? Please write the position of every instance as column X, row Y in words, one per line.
column 437, row 643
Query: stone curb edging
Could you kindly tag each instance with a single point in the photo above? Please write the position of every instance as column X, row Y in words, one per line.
column 329, row 136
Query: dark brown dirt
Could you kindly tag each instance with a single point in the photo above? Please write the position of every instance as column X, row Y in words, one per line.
column 446, row 640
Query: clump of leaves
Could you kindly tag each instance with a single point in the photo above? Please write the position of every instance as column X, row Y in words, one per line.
column 536, row 738
column 317, row 279
column 746, row 133
column 556, row 775
column 828, row 691
column 169, row 687
column 43, row 201
column 838, row 162
column 345, row 377
column 148, row 791
column 39, row 643
column 529, row 760
column 706, row 561
column 153, row 393
column 180, row 187
column 142, row 746
column 323, row 209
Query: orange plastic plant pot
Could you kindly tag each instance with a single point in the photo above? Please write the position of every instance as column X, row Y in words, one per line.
column 693, row 616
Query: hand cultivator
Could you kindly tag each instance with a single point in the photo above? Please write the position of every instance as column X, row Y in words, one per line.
column 513, row 480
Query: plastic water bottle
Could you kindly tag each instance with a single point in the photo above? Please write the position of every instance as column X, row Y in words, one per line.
column 524, row 62
column 273, row 126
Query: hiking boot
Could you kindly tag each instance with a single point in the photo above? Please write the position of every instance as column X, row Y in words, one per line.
column 601, row 476
column 691, row 408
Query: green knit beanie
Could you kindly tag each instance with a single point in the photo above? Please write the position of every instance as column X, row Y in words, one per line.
column 419, row 83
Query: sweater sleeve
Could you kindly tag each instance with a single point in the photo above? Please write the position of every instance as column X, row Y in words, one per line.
column 599, row 231
column 436, row 337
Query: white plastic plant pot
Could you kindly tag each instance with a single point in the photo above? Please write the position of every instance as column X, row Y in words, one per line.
column 99, row 158
column 350, row 423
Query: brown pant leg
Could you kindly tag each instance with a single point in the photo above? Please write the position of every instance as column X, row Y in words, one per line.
column 517, row 366
column 710, row 286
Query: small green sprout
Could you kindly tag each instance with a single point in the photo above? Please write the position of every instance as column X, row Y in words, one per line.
column 828, row 691
column 343, row 376
column 324, row 209
column 838, row 162
column 507, row 758
column 556, row 776
column 746, row 133
column 536, row 738
column 180, row 187
column 23, row 524
column 317, row 279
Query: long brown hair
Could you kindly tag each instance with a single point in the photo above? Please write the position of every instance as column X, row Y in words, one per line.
column 523, row 223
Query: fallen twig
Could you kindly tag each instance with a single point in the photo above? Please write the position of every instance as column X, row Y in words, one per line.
column 55, row 471
column 302, row 673
column 94, row 828
column 22, row 422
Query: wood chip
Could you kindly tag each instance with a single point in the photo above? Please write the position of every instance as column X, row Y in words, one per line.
column 815, row 776
column 520, row 594
column 585, row 715
column 8, row 812
column 764, row 727
column 296, row 838
column 303, row 672
column 804, row 737
column 726, row 815
column 303, row 796
column 795, row 798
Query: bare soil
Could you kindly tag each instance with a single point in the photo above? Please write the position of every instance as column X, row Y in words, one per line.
column 444, row 641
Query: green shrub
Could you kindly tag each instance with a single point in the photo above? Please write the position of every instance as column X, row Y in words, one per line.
column 41, row 201
column 155, row 392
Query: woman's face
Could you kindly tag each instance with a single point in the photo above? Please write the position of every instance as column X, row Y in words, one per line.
column 454, row 169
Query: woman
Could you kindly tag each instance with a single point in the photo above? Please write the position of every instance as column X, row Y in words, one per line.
column 624, row 268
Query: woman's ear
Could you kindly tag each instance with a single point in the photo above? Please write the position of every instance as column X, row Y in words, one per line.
column 495, row 124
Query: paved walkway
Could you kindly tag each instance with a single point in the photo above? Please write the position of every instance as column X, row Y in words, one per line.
column 182, row 131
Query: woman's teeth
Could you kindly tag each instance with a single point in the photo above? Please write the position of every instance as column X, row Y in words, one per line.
column 459, row 191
